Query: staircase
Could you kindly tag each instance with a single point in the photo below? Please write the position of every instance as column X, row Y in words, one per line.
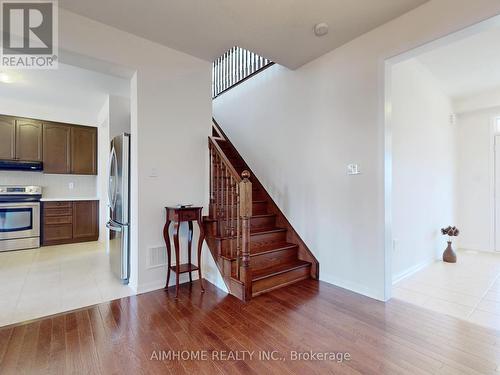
column 252, row 242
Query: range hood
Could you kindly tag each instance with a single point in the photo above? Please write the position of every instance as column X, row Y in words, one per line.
column 17, row 165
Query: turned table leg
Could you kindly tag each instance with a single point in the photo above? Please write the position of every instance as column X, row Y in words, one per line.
column 200, row 245
column 177, row 258
column 166, row 236
column 190, row 240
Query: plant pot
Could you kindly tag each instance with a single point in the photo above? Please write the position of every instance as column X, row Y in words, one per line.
column 449, row 256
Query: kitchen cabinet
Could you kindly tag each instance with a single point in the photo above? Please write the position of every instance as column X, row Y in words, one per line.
column 20, row 139
column 83, row 150
column 7, row 137
column 85, row 220
column 56, row 148
column 63, row 148
column 69, row 222
column 28, row 140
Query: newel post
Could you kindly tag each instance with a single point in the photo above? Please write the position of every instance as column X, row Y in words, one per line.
column 245, row 214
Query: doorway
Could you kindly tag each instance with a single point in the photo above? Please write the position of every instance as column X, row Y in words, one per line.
column 442, row 171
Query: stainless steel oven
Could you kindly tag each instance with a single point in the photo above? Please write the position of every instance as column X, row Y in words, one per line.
column 19, row 217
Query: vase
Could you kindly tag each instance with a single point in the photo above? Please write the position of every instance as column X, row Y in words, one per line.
column 449, row 256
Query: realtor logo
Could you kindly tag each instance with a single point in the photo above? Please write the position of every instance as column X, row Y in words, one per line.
column 29, row 34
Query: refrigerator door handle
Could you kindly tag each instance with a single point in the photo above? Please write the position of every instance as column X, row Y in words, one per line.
column 112, row 188
column 116, row 228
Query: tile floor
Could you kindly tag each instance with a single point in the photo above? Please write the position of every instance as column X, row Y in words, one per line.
column 53, row 279
column 469, row 289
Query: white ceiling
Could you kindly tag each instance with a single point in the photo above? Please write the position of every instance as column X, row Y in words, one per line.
column 67, row 87
column 281, row 30
column 467, row 67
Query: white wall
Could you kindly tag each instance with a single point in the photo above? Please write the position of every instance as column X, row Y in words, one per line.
column 170, row 122
column 479, row 101
column 299, row 129
column 102, row 168
column 476, row 203
column 119, row 115
column 424, row 167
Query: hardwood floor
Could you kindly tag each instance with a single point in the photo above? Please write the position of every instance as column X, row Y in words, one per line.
column 129, row 335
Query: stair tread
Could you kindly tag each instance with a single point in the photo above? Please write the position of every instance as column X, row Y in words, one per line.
column 267, row 249
column 253, row 216
column 259, row 230
column 272, row 247
column 276, row 270
column 263, row 215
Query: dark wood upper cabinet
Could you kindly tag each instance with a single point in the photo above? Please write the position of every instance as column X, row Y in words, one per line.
column 63, row 148
column 7, row 137
column 56, row 148
column 28, row 140
column 83, row 150
column 85, row 220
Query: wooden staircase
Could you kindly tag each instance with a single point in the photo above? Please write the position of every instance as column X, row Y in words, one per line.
column 252, row 242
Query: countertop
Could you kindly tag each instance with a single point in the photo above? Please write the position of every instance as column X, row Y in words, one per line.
column 69, row 199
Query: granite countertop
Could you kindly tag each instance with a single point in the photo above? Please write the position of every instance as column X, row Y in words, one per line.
column 69, row 199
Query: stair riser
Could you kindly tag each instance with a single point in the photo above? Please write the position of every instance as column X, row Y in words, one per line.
column 262, row 222
column 256, row 240
column 255, row 222
column 256, row 195
column 275, row 258
column 277, row 281
column 258, row 208
column 261, row 261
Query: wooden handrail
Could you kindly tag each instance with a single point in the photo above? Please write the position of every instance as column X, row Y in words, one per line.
column 213, row 142
column 231, row 207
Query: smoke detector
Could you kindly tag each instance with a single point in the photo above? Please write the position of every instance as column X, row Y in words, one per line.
column 321, row 29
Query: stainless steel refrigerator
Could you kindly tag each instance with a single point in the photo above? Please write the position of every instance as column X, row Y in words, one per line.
column 119, row 206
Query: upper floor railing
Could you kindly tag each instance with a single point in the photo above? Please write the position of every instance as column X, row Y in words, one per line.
column 234, row 66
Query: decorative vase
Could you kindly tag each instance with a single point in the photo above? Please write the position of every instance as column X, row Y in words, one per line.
column 449, row 256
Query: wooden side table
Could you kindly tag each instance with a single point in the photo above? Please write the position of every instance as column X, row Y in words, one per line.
column 179, row 215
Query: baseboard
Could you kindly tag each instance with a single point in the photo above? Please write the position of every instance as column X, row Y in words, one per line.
column 353, row 286
column 475, row 248
column 410, row 271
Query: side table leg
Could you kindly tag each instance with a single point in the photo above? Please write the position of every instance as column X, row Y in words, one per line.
column 190, row 240
column 166, row 236
column 177, row 258
column 200, row 245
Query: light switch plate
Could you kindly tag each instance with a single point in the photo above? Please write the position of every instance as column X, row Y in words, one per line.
column 71, row 185
column 353, row 169
column 153, row 172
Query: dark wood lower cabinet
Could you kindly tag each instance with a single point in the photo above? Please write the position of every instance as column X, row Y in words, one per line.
column 69, row 222
column 85, row 220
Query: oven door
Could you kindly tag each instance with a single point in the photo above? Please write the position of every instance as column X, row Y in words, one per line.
column 19, row 220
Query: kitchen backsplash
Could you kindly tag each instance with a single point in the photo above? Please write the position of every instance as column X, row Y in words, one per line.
column 54, row 185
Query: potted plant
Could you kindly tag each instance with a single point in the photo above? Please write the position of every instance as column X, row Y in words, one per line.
column 449, row 256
